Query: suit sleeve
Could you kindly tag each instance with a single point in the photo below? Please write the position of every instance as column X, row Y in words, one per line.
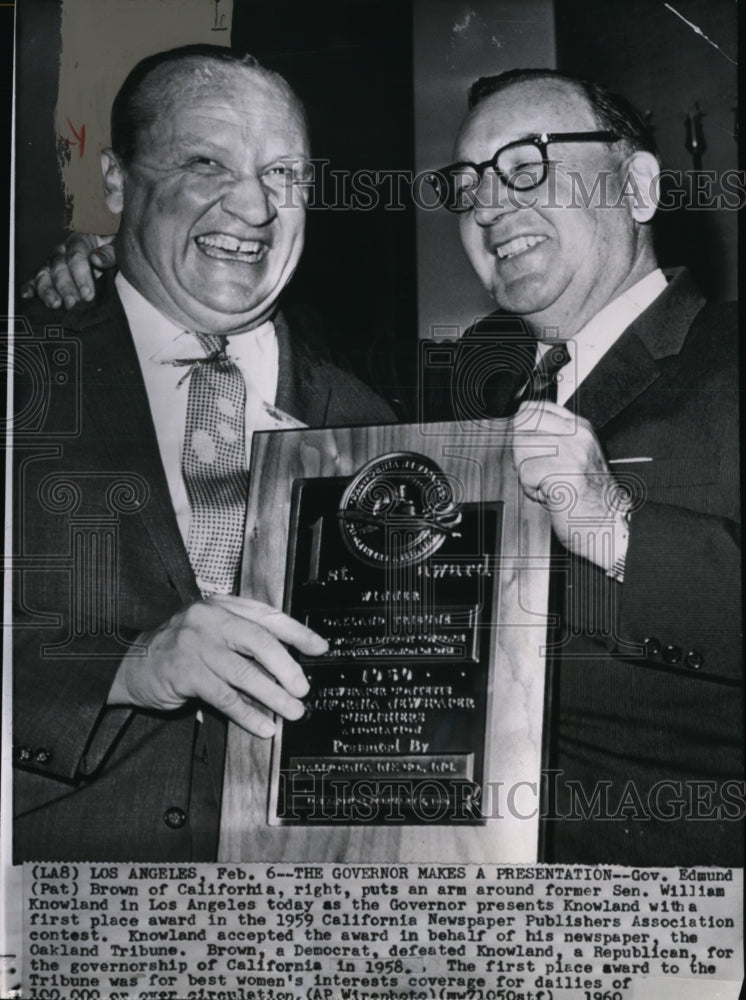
column 678, row 608
column 62, row 726
column 681, row 590
column 682, row 581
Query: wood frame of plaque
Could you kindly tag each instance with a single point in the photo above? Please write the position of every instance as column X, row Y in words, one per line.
column 412, row 549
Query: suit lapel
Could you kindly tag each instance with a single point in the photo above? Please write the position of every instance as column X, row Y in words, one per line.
column 299, row 392
column 625, row 371
column 632, row 364
column 124, row 432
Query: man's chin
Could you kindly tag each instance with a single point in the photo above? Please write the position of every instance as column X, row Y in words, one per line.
column 228, row 311
column 524, row 295
column 229, row 293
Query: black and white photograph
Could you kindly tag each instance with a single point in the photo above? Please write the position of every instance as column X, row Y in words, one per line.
column 373, row 592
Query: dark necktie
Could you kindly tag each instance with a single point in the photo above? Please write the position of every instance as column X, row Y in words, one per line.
column 214, row 467
column 543, row 381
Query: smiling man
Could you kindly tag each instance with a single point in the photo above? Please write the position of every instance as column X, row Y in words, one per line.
column 630, row 440
column 131, row 647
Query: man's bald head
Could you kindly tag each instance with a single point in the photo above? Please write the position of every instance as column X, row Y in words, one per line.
column 158, row 80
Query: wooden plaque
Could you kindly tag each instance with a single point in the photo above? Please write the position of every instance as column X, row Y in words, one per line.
column 412, row 549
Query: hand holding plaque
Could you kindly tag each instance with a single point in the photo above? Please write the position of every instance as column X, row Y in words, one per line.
column 220, row 650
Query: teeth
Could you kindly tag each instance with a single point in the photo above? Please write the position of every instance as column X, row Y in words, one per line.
column 226, row 244
column 518, row 245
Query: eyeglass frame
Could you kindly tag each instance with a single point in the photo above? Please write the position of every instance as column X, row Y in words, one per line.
column 540, row 140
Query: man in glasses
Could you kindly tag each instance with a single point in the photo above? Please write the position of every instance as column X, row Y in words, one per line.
column 624, row 427
column 632, row 447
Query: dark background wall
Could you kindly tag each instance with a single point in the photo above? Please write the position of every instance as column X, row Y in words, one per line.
column 39, row 203
column 456, row 42
column 351, row 62
column 652, row 57
column 6, row 106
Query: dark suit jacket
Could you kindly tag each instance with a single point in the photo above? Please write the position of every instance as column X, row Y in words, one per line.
column 662, row 729
column 646, row 736
column 99, row 559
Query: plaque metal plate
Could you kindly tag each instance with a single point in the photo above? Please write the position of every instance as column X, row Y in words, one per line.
column 395, row 726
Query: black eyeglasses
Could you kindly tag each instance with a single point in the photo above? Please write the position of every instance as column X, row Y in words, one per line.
column 521, row 165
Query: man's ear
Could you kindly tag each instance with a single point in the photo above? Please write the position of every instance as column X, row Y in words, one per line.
column 113, row 175
column 640, row 174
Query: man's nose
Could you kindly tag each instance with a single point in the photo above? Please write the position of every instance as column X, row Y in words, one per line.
column 492, row 198
column 249, row 200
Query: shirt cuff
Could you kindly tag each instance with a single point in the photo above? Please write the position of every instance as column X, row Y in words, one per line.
column 620, row 543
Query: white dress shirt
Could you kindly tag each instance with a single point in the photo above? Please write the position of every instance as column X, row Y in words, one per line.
column 590, row 344
column 158, row 341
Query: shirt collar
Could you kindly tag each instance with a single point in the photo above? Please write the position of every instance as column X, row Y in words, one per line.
column 591, row 342
column 159, row 339
column 608, row 324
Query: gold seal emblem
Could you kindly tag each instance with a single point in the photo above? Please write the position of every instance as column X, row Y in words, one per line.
column 399, row 509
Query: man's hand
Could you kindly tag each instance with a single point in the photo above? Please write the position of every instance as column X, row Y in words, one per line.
column 69, row 273
column 562, row 466
column 222, row 651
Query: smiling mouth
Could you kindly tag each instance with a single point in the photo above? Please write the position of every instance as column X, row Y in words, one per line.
column 518, row 245
column 220, row 246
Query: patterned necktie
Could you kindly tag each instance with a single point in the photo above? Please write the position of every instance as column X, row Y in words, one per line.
column 214, row 467
column 543, row 381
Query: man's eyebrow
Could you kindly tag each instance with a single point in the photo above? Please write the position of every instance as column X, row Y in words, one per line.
column 188, row 143
column 191, row 143
column 284, row 157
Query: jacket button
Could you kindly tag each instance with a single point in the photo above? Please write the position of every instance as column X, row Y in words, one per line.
column 23, row 754
column 694, row 659
column 174, row 818
column 652, row 646
column 42, row 756
column 672, row 654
